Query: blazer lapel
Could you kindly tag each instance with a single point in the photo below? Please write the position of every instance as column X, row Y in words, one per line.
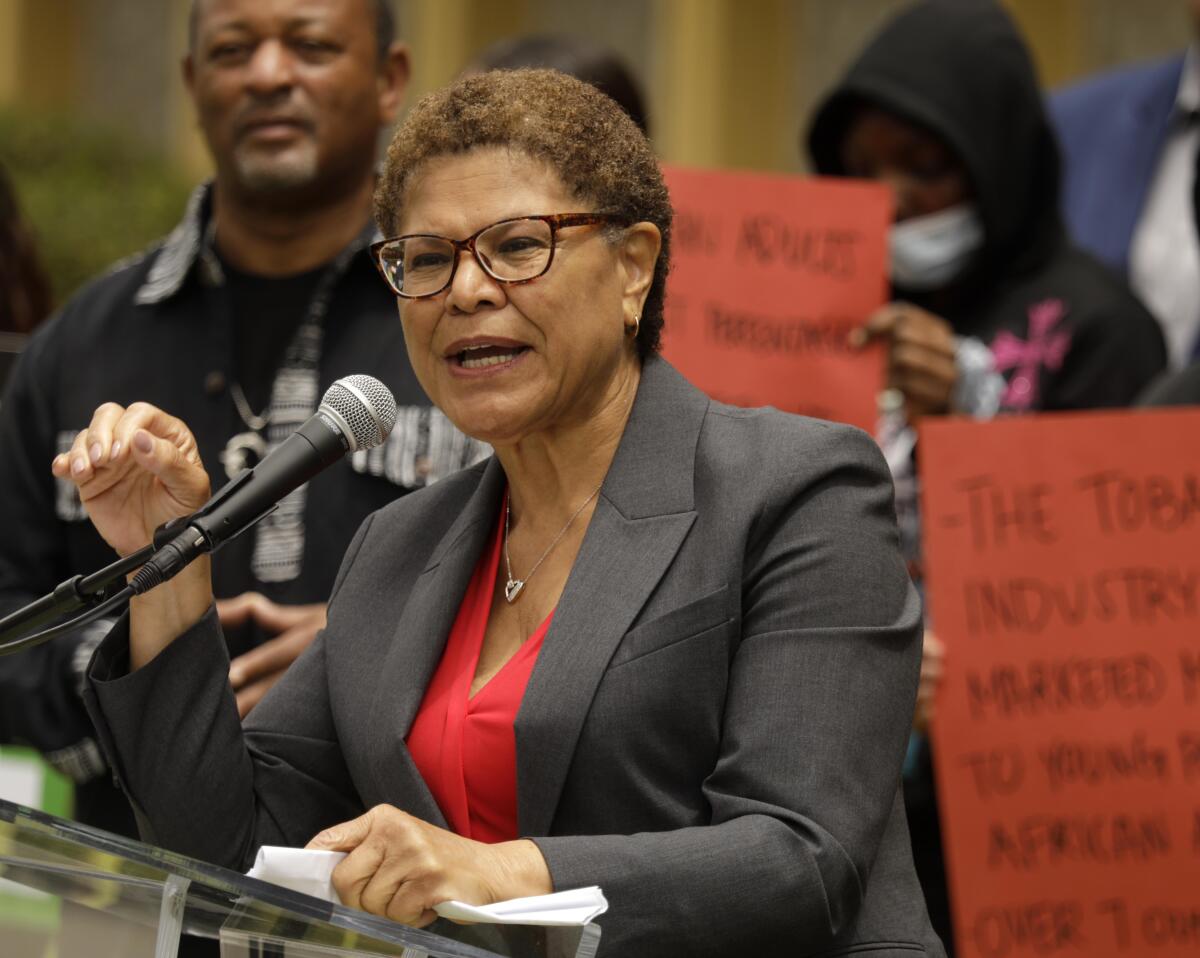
column 418, row 643
column 643, row 515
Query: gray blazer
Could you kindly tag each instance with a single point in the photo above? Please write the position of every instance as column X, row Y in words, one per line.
column 714, row 728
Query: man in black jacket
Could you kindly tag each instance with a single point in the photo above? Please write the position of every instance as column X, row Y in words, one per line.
column 237, row 323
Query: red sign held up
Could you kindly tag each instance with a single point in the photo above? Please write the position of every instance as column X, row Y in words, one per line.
column 1063, row 568
column 769, row 275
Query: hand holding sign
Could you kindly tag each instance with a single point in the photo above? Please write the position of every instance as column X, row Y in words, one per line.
column 920, row 356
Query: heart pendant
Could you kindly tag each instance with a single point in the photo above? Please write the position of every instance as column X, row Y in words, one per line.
column 513, row 588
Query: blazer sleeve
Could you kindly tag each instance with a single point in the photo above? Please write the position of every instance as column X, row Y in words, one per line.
column 822, row 688
column 173, row 737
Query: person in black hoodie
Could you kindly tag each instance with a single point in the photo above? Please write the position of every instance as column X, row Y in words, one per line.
column 944, row 105
column 994, row 310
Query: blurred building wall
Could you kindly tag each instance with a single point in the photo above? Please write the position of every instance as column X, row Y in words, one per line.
column 729, row 82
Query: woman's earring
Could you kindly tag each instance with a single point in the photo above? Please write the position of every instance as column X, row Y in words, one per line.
column 636, row 326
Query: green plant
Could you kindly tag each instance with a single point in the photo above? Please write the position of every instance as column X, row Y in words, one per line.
column 92, row 195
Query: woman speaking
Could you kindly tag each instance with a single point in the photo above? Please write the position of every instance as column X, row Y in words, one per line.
column 655, row 643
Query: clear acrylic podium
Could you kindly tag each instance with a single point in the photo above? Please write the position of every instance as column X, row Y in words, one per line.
column 70, row 891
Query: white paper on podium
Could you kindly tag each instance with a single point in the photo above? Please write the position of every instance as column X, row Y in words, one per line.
column 310, row 871
column 577, row 906
column 306, row 870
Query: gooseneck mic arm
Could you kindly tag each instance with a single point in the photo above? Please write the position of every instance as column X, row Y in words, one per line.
column 71, row 595
column 357, row 412
column 90, row 592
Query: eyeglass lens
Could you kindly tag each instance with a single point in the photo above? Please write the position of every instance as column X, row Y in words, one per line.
column 510, row 252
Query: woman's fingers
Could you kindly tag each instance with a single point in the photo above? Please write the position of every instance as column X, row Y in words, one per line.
column 110, row 433
column 92, row 447
column 134, row 468
column 398, row 875
column 354, row 874
column 160, row 426
column 71, row 464
column 407, row 907
column 99, row 434
column 159, row 444
column 181, row 477
column 390, row 890
column 345, row 836
column 398, row 866
column 401, row 867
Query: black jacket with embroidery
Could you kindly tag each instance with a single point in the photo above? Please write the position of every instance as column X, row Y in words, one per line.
column 145, row 332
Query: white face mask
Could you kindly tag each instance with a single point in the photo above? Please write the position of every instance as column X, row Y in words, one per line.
column 930, row 251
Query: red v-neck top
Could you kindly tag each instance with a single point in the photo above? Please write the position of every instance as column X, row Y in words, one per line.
column 464, row 746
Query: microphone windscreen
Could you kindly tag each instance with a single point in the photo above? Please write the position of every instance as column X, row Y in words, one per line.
column 365, row 405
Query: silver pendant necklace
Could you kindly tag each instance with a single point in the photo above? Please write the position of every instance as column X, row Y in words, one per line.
column 513, row 587
column 246, row 449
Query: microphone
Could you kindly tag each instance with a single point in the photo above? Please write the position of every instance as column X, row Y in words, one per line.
column 356, row 412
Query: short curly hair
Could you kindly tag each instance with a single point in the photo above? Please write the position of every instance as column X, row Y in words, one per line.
column 595, row 148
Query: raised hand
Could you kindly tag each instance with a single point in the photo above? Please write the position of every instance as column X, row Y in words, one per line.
column 135, row 469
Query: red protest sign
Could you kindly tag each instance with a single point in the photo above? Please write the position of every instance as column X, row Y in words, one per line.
column 769, row 274
column 1063, row 569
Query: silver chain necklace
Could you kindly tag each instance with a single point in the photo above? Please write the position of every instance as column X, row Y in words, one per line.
column 513, row 587
column 257, row 423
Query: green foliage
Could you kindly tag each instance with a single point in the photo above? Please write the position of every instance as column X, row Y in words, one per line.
column 92, row 195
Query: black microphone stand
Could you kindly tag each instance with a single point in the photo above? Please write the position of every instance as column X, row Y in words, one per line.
column 89, row 592
column 80, row 592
